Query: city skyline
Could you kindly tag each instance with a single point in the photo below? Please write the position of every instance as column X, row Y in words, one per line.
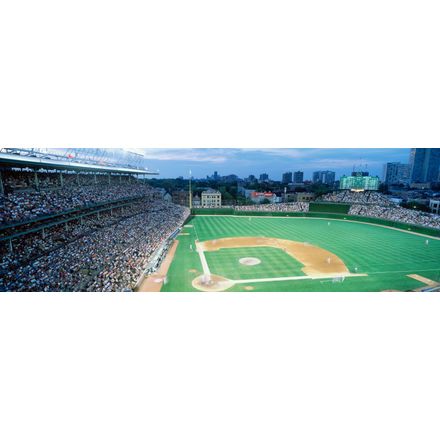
column 243, row 162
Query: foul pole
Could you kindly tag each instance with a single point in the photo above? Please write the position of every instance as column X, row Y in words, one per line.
column 190, row 192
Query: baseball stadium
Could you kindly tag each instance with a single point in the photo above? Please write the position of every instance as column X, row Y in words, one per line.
column 73, row 221
column 322, row 250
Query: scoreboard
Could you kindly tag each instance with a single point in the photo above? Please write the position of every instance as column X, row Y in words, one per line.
column 359, row 182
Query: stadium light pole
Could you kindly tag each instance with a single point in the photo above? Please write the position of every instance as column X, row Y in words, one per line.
column 190, row 191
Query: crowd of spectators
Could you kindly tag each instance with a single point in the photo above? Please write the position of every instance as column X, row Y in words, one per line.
column 109, row 255
column 275, row 207
column 16, row 180
column 376, row 204
column 28, row 247
column 27, row 205
column 363, row 198
column 397, row 213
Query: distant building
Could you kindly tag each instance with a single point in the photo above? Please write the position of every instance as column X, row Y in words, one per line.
column 396, row 172
column 247, row 192
column 396, row 200
column 168, row 197
column 196, row 201
column 161, row 192
column 298, row 177
column 211, row 198
column 434, row 206
column 180, row 197
column 359, row 183
column 258, row 197
column 287, row 178
column 264, row 177
column 231, row 178
column 420, row 185
column 304, row 196
column 326, row 177
column 425, row 165
column 251, row 179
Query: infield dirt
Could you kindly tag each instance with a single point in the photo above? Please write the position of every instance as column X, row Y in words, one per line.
column 316, row 261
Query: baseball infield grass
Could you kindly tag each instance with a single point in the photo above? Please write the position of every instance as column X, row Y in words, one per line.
column 274, row 263
column 385, row 255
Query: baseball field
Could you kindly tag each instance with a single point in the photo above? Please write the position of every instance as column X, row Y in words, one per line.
column 285, row 254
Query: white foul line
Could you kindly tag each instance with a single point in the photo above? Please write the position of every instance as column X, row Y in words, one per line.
column 205, row 266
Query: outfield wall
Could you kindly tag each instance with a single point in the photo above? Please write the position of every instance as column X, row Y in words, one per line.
column 339, row 208
column 212, row 211
column 374, row 220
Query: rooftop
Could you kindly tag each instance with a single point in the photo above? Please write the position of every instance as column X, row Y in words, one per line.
column 16, row 160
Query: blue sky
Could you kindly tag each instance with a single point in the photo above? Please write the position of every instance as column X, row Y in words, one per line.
column 174, row 162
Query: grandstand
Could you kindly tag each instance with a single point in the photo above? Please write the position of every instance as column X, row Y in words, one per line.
column 358, row 205
column 68, row 224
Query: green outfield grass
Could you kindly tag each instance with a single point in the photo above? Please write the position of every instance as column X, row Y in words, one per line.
column 386, row 255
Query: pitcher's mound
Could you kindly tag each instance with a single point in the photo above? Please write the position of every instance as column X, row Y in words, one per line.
column 249, row 261
column 213, row 283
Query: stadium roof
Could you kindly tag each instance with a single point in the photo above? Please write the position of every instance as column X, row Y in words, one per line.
column 16, row 160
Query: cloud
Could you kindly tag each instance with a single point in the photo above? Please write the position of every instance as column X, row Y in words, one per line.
column 186, row 154
column 289, row 153
column 343, row 163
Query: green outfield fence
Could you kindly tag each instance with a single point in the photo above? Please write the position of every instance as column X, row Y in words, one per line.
column 378, row 221
column 340, row 208
column 212, row 211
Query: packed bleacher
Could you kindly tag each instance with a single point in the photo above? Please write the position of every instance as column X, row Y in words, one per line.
column 397, row 213
column 275, row 207
column 366, row 204
column 350, row 197
column 105, row 255
column 27, row 205
column 375, row 204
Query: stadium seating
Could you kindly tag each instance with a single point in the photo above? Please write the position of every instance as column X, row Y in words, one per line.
column 90, row 237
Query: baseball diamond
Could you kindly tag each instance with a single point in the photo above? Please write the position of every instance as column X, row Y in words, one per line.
column 300, row 254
